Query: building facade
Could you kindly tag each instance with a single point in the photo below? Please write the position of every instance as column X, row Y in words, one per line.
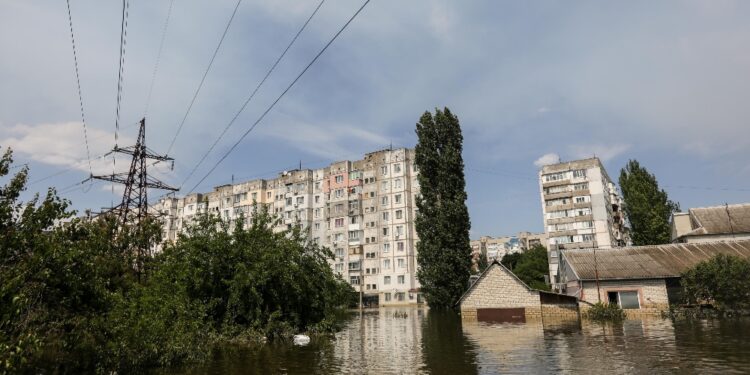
column 362, row 210
column 497, row 247
column 581, row 208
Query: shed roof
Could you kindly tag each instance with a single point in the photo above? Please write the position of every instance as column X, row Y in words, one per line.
column 647, row 262
column 733, row 218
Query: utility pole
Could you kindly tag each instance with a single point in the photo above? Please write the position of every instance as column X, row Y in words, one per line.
column 134, row 206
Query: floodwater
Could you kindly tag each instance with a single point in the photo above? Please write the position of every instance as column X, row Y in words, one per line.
column 412, row 340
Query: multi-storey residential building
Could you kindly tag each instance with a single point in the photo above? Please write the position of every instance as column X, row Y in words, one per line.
column 497, row 247
column 581, row 207
column 362, row 210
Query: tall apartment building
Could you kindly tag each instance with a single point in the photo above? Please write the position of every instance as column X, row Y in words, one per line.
column 362, row 210
column 581, row 207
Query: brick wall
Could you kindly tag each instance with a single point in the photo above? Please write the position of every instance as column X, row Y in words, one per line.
column 499, row 289
column 651, row 293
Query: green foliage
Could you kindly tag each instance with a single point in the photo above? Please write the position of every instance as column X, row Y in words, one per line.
column 648, row 208
column 76, row 296
column 722, row 280
column 482, row 262
column 442, row 221
column 605, row 312
column 530, row 266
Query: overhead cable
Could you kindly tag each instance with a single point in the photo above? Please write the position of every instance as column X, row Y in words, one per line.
column 263, row 115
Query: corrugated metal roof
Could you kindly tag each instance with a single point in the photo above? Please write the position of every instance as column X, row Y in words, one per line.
column 733, row 218
column 643, row 262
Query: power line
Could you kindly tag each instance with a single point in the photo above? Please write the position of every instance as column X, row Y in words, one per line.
column 703, row 188
column 78, row 81
column 263, row 115
column 252, row 95
column 120, row 71
column 200, row 85
column 158, row 57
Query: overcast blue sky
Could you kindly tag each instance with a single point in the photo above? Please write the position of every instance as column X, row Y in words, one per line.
column 663, row 82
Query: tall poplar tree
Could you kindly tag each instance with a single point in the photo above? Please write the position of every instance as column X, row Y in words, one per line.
column 648, row 207
column 442, row 222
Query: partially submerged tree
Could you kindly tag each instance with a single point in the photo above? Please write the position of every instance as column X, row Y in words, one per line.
column 648, row 208
column 530, row 266
column 722, row 280
column 442, row 221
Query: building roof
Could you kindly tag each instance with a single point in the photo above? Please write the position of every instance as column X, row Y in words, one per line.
column 647, row 262
column 733, row 218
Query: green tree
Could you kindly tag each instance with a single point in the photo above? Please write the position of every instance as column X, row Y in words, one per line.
column 722, row 280
column 648, row 208
column 530, row 266
column 442, row 222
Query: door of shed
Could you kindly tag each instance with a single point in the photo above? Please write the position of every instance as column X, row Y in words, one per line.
column 506, row 315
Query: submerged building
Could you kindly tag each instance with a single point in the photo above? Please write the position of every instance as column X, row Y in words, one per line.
column 363, row 210
column 581, row 208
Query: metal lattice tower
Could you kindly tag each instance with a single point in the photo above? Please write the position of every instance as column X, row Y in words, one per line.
column 134, row 206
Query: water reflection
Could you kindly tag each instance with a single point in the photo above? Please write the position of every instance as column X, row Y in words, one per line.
column 411, row 340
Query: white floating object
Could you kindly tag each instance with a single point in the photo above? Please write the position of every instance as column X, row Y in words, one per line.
column 301, row 340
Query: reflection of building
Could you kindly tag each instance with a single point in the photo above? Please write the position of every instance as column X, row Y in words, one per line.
column 497, row 247
column 642, row 278
column 717, row 223
column 362, row 210
column 581, row 207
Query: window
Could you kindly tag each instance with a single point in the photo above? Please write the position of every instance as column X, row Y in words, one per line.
column 579, row 173
column 399, row 214
column 339, row 267
column 400, row 296
column 354, row 266
column 583, row 199
column 339, row 252
column 353, row 220
column 317, row 212
column 387, row 266
column 401, row 263
column 255, row 196
column 354, row 280
column 289, row 201
column 386, row 247
column 581, row 186
column 339, row 179
column 396, row 168
column 587, row 238
column 397, row 198
column 384, row 170
column 398, row 183
column 338, row 237
column 625, row 299
column 353, row 235
column 387, row 297
column 554, row 177
column 386, row 280
column 400, row 246
column 300, row 200
column 386, row 216
column 268, row 195
column 384, row 185
column 384, row 201
column 399, row 230
column 317, row 199
column 555, row 189
column 338, row 193
column 339, row 208
column 583, row 211
column 385, row 231
column 339, row 222
column 317, row 226
column 401, row 279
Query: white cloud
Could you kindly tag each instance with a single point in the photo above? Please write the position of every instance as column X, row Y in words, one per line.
column 61, row 144
column 547, row 159
column 603, row 152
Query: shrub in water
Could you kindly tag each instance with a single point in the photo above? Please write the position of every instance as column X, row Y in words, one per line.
column 605, row 311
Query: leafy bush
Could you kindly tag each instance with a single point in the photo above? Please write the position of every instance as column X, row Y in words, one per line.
column 722, row 280
column 530, row 266
column 605, row 312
